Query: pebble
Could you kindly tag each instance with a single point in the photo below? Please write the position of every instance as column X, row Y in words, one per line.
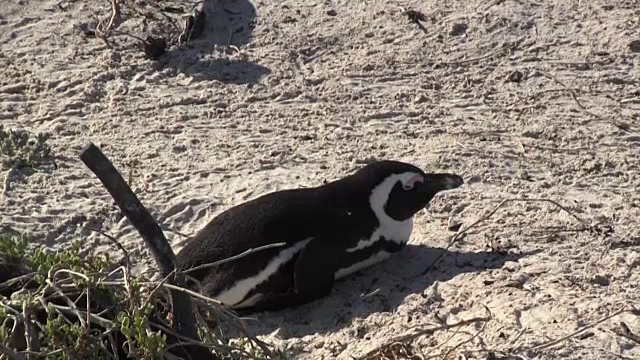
column 601, row 280
column 458, row 29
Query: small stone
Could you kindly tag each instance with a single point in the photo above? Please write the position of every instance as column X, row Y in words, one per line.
column 431, row 294
column 458, row 29
column 332, row 12
column 179, row 148
column 516, row 76
column 601, row 280
column 585, row 336
column 87, row 29
column 474, row 179
column 455, row 227
column 420, row 99
column 155, row 48
column 634, row 46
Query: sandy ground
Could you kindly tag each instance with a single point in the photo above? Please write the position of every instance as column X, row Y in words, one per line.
column 524, row 99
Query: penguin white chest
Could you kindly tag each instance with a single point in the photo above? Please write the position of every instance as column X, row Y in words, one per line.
column 395, row 232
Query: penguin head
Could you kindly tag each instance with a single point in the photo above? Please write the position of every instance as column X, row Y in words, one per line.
column 399, row 190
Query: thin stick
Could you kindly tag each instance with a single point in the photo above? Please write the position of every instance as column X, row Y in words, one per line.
column 115, row 241
column 620, row 125
column 626, row 333
column 484, row 325
column 153, row 237
column 429, row 331
column 30, row 337
column 67, row 300
column 235, row 257
column 91, row 318
column 114, row 20
column 577, row 332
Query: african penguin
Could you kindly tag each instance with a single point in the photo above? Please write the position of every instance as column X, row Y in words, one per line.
column 330, row 231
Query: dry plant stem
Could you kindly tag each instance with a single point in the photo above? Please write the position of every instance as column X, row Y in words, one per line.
column 15, row 280
column 446, row 355
column 457, row 235
column 192, row 293
column 479, row 58
column 162, row 282
column 232, row 258
column 429, row 331
column 504, row 49
column 10, row 353
column 484, row 325
column 188, row 341
column 131, row 206
column 222, row 312
column 29, row 334
column 153, row 236
column 115, row 242
column 625, row 332
column 577, row 332
column 114, row 21
column 445, row 342
column 92, row 318
column 67, row 300
column 6, row 186
column 620, row 125
column 87, row 329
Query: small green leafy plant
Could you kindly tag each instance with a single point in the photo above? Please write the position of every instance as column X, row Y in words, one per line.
column 87, row 307
column 21, row 148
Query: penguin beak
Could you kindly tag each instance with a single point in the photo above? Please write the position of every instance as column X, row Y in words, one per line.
column 434, row 183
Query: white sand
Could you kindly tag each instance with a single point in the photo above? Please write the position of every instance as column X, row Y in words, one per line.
column 311, row 97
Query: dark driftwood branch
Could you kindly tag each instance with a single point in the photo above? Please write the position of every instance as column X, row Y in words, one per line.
column 153, row 236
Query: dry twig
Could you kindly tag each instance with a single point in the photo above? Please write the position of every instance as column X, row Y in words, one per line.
column 575, row 333
column 484, row 325
column 625, row 332
column 104, row 31
column 233, row 258
column 428, row 331
column 619, row 124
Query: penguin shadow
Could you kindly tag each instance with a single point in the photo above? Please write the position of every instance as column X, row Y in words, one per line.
column 228, row 23
column 380, row 288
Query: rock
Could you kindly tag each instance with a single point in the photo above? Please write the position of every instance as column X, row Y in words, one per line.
column 601, row 280
column 516, row 76
column 458, row 29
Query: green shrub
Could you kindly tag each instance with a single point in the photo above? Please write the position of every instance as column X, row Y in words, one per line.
column 53, row 294
column 20, row 149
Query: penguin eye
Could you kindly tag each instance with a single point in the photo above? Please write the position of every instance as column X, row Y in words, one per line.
column 412, row 182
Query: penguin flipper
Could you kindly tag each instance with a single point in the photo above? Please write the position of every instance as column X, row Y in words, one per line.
column 313, row 276
column 314, row 270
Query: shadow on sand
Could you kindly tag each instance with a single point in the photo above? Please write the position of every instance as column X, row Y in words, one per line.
column 228, row 23
column 396, row 278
